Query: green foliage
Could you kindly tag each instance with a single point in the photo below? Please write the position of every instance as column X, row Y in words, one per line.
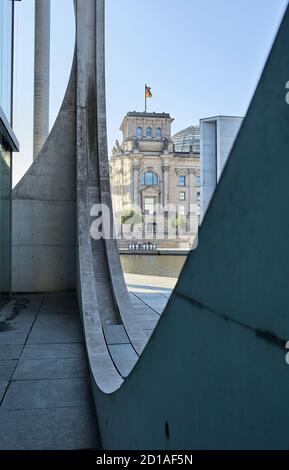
column 130, row 217
column 179, row 222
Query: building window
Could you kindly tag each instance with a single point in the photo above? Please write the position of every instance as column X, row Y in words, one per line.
column 182, row 210
column 158, row 132
column 182, row 196
column 182, row 180
column 198, row 180
column 139, row 132
column 149, row 205
column 150, row 179
column 199, row 196
column 149, row 132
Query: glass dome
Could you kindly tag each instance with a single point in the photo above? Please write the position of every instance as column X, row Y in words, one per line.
column 183, row 140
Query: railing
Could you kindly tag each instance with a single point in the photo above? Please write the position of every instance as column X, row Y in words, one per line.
column 138, row 247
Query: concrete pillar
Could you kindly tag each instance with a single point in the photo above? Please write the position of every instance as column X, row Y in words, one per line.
column 41, row 74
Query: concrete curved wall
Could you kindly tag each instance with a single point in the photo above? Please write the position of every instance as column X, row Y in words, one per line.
column 44, row 221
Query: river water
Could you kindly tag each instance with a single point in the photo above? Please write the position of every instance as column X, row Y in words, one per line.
column 153, row 265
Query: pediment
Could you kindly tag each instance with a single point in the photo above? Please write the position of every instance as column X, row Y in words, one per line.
column 151, row 191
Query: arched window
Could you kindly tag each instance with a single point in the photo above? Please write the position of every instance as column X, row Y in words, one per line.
column 158, row 132
column 150, row 179
column 149, row 132
column 139, row 132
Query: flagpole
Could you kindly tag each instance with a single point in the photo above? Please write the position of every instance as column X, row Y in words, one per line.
column 145, row 97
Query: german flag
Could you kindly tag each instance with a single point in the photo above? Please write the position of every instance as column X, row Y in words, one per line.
column 148, row 92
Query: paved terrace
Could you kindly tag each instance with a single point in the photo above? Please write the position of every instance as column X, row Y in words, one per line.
column 45, row 395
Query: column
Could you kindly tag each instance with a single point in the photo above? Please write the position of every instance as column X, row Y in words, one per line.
column 192, row 198
column 166, row 169
column 136, row 168
column 41, row 74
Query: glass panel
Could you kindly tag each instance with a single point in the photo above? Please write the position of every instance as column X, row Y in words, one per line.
column 182, row 180
column 139, row 132
column 5, row 213
column 149, row 205
column 155, row 179
column 6, row 56
column 159, row 132
column 149, row 132
column 150, row 179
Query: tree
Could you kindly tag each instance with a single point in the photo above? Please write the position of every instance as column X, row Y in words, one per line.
column 130, row 217
column 179, row 223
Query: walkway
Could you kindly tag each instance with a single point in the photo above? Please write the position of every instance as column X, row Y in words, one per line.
column 149, row 296
column 45, row 396
column 45, row 393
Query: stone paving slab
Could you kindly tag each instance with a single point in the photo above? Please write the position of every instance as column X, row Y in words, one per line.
column 147, row 324
column 148, row 333
column 29, row 369
column 155, row 301
column 12, row 337
column 124, row 356
column 49, row 429
column 3, row 387
column 57, row 321
column 115, row 334
column 10, row 351
column 34, row 394
column 148, row 316
column 167, row 294
column 60, row 311
column 7, row 369
column 23, row 323
column 62, row 336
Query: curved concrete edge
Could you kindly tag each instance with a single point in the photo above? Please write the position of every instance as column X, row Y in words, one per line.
column 213, row 375
column 105, row 305
column 121, row 299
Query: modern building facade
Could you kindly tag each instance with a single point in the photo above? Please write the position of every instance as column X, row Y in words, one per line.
column 146, row 172
column 8, row 143
column 217, row 136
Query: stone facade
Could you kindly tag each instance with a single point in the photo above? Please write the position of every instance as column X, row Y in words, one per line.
column 146, row 171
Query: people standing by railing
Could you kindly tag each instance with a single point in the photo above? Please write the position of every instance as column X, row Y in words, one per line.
column 145, row 246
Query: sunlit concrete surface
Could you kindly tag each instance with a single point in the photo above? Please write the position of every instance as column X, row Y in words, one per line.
column 149, row 296
column 45, row 395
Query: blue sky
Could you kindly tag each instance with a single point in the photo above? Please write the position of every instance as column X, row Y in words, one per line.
column 201, row 58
